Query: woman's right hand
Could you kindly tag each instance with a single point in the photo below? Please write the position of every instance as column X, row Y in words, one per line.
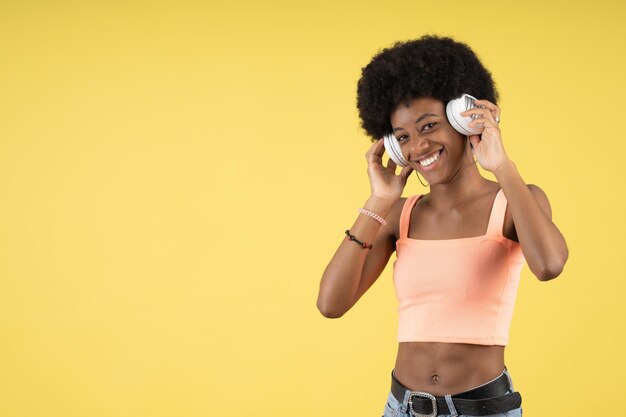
column 384, row 182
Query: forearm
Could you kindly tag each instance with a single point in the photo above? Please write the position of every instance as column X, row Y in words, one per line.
column 341, row 278
column 541, row 241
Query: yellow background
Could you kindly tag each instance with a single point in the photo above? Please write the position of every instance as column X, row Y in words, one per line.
column 175, row 177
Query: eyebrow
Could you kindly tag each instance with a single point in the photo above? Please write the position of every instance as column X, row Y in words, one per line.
column 419, row 119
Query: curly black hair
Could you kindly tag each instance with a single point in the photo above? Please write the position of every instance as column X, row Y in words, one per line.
column 431, row 66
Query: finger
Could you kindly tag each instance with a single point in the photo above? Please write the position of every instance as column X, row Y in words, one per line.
column 476, row 114
column 476, row 111
column 486, row 103
column 484, row 121
column 375, row 153
column 494, row 109
column 490, row 117
column 479, row 115
column 373, row 147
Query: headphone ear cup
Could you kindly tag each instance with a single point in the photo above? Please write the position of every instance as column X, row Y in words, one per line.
column 393, row 149
column 460, row 123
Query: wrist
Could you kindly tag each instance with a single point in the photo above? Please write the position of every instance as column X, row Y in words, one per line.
column 504, row 168
column 380, row 206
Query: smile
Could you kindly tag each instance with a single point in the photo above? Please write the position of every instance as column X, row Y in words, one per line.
column 430, row 161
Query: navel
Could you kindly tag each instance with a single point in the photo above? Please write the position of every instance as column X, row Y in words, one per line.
column 435, row 378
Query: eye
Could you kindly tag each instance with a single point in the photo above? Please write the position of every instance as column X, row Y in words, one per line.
column 401, row 138
column 432, row 124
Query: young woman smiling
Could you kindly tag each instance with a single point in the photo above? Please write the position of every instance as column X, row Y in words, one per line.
column 460, row 247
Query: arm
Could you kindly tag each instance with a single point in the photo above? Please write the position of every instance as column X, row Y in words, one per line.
column 542, row 243
column 353, row 269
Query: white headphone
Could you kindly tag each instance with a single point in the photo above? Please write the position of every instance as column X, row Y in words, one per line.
column 454, row 108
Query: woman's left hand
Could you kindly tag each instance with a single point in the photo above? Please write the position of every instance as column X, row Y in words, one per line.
column 488, row 147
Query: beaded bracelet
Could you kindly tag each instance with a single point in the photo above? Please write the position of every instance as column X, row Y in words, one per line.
column 372, row 215
column 363, row 244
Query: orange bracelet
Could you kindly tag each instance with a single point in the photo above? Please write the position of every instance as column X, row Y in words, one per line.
column 372, row 215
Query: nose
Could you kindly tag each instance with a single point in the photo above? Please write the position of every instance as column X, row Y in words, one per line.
column 416, row 145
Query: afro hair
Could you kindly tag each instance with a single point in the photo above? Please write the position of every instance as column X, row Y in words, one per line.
column 431, row 66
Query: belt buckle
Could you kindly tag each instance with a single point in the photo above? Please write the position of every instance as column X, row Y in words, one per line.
column 432, row 399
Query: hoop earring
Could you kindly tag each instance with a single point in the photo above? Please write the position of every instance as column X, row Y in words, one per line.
column 418, row 177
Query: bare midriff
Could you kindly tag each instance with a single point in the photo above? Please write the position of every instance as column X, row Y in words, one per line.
column 447, row 368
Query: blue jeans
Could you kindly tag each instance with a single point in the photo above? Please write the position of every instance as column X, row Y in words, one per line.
column 394, row 408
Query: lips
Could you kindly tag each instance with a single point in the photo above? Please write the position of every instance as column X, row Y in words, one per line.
column 433, row 165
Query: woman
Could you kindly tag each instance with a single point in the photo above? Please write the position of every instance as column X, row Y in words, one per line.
column 460, row 248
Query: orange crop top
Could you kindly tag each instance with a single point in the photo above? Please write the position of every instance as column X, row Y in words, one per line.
column 457, row 290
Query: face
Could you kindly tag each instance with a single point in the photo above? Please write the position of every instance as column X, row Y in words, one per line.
column 428, row 141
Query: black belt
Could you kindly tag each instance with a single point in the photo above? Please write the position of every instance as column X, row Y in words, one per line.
column 491, row 398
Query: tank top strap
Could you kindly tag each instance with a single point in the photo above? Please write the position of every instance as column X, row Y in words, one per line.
column 405, row 215
column 496, row 219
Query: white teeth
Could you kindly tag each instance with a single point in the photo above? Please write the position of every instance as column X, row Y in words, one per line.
column 428, row 161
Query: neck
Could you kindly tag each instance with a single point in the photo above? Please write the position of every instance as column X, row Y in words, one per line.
column 464, row 184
